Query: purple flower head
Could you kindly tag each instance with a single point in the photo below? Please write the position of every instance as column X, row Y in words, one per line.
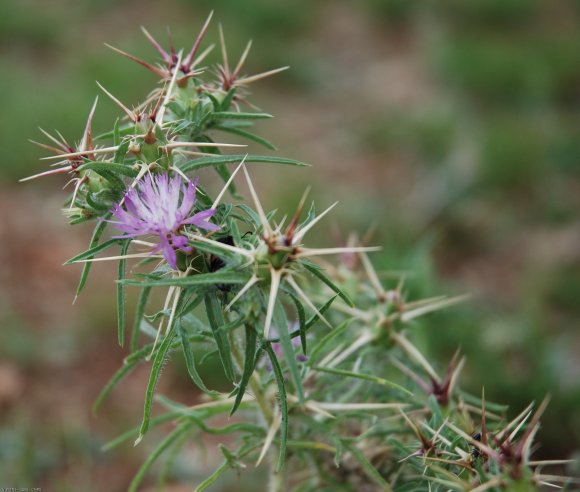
column 161, row 205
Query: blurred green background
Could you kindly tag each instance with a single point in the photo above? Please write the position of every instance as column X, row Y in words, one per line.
column 452, row 126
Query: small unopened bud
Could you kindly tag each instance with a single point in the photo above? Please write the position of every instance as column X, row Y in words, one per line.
column 150, row 137
column 134, row 148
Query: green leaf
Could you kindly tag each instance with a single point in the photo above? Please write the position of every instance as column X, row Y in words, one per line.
column 214, row 101
column 190, row 361
column 169, row 440
column 310, row 323
column 190, row 305
column 202, row 162
column 123, row 371
column 369, row 469
column 131, row 433
column 122, row 132
column 325, row 279
column 230, row 460
column 366, row 377
column 249, row 366
column 283, row 404
column 246, row 134
column 129, row 364
column 436, row 414
column 321, row 312
column 213, row 477
column 139, row 312
column 121, row 152
column 113, row 167
column 287, row 348
column 327, row 339
column 117, row 184
column 253, row 216
column 121, row 295
column 158, row 361
column 216, row 321
column 235, row 115
column 301, row 320
column 214, row 249
column 227, row 101
column 89, row 253
column 116, row 134
column 214, row 278
column 97, row 233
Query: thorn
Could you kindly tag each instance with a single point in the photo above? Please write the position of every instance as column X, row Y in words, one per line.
column 415, row 354
column 224, row 51
column 290, row 230
column 305, row 252
column 189, row 60
column 173, row 145
column 202, row 56
column 47, row 147
column 228, row 182
column 148, row 66
column 86, row 142
column 257, row 204
column 157, row 46
column 60, row 170
column 63, row 145
column 254, row 78
column 242, row 60
column 274, row 284
column 242, row 291
column 127, row 111
column 80, row 153
column 307, row 300
column 373, row 277
column 300, row 234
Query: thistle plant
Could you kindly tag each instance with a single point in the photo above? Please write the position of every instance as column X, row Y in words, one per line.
column 327, row 389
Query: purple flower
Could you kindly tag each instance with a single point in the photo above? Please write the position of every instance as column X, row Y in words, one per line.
column 161, row 205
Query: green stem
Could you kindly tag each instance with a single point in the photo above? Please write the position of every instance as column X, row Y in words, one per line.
column 276, row 480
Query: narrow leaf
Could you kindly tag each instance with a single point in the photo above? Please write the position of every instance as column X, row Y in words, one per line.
column 216, row 321
column 287, row 348
column 140, row 311
column 213, row 477
column 367, row 377
column 321, row 311
column 169, row 440
column 249, row 365
column 198, row 279
column 246, row 134
column 325, row 279
column 89, row 253
column 283, row 404
column 369, row 469
column 121, row 295
column 202, row 162
column 123, row 371
column 113, row 167
column 327, row 339
column 97, row 233
column 301, row 320
column 158, row 362
column 190, row 361
column 234, row 115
